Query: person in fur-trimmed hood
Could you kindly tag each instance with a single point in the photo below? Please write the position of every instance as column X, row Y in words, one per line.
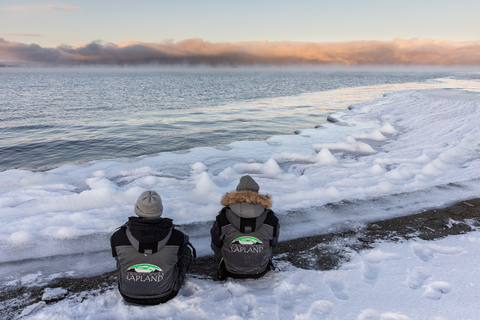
column 245, row 232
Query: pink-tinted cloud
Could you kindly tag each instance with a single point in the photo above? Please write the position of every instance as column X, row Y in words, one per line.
column 62, row 7
column 197, row 51
column 15, row 51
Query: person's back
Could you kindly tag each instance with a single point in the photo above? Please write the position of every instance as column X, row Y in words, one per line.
column 152, row 256
column 245, row 232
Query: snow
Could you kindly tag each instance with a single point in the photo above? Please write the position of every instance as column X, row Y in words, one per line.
column 409, row 150
column 414, row 279
column 51, row 294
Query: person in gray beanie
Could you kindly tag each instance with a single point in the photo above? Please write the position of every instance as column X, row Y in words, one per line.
column 245, row 232
column 152, row 256
column 149, row 205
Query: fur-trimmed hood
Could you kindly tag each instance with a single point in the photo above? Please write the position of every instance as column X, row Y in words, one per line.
column 248, row 197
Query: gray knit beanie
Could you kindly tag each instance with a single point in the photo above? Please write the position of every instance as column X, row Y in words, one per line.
column 247, row 183
column 149, row 205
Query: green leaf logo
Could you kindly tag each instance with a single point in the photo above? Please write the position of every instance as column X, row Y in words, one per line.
column 144, row 268
column 247, row 240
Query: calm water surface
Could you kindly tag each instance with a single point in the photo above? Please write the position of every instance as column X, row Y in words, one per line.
column 50, row 117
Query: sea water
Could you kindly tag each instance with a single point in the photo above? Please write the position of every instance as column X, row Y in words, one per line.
column 50, row 117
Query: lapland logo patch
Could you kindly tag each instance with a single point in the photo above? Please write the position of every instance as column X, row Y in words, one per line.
column 144, row 272
column 247, row 245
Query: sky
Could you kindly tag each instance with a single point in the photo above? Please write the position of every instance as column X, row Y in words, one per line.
column 74, row 23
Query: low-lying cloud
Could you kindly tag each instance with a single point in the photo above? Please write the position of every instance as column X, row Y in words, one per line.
column 197, row 51
column 63, row 7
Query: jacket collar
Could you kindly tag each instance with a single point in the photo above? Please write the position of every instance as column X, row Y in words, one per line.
column 248, row 197
column 149, row 230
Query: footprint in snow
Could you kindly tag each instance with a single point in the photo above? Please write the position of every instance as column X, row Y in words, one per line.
column 335, row 281
column 319, row 310
column 286, row 295
column 372, row 314
column 372, row 264
column 245, row 306
column 417, row 278
column 422, row 251
column 370, row 272
column 426, row 251
column 437, row 289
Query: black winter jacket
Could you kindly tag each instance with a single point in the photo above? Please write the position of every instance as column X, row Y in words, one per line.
column 244, row 234
column 152, row 259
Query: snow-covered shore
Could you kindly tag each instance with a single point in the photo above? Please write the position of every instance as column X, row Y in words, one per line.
column 411, row 149
column 388, row 158
column 321, row 277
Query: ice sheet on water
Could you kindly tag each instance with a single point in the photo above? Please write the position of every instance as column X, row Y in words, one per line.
column 432, row 140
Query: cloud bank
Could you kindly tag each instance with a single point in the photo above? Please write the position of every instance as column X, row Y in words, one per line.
column 63, row 7
column 198, row 51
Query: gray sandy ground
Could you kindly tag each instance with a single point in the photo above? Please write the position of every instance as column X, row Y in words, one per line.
column 322, row 252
